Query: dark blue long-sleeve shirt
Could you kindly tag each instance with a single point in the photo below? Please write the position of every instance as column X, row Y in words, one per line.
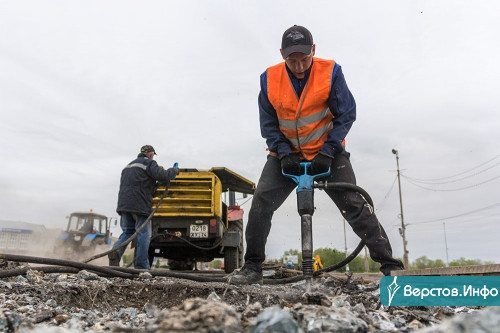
column 341, row 104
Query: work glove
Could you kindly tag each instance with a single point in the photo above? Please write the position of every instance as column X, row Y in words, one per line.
column 290, row 164
column 320, row 164
column 175, row 171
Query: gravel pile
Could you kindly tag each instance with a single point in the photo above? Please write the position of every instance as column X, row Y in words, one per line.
column 86, row 302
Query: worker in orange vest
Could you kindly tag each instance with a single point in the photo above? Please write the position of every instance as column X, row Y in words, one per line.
column 306, row 111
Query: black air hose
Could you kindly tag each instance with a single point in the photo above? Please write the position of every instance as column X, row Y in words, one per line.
column 60, row 262
column 131, row 273
column 343, row 187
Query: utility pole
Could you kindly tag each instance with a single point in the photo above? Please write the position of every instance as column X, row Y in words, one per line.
column 345, row 248
column 446, row 244
column 402, row 230
column 367, row 264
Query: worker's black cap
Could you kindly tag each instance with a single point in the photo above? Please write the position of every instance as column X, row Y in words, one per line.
column 147, row 149
column 296, row 39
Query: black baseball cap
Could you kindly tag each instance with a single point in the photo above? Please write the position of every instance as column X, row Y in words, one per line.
column 296, row 39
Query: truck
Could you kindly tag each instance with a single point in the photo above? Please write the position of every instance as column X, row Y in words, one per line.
column 84, row 233
column 198, row 220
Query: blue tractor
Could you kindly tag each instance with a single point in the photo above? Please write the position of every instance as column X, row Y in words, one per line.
column 86, row 231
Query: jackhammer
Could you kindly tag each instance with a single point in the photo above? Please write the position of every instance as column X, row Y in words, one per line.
column 305, row 206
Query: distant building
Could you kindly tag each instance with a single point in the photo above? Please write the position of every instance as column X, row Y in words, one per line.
column 18, row 237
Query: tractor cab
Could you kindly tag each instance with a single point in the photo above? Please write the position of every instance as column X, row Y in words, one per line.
column 84, row 231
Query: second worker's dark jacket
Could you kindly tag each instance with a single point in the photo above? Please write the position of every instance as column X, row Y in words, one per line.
column 138, row 184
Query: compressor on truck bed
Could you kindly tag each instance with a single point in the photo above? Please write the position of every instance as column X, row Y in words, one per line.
column 195, row 224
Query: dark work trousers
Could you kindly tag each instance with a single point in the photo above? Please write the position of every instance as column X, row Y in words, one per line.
column 273, row 189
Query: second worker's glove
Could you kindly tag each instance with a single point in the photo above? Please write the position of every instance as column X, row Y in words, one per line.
column 320, row 163
column 290, row 164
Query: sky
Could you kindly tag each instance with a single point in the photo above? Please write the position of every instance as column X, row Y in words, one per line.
column 84, row 84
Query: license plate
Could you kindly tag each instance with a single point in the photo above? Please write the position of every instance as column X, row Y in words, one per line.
column 198, row 231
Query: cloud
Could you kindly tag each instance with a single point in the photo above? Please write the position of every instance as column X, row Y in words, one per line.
column 85, row 84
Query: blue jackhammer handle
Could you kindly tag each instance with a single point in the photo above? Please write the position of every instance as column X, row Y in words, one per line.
column 176, row 165
column 305, row 181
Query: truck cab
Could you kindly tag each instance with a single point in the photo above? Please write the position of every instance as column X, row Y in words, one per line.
column 199, row 220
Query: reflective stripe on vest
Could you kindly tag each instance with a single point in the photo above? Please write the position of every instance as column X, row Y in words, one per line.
column 307, row 121
column 136, row 165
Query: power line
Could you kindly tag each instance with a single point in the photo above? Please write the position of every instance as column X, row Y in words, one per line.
column 244, row 202
column 451, row 181
column 458, row 215
column 458, row 174
column 475, row 218
column 450, row 190
column 384, row 200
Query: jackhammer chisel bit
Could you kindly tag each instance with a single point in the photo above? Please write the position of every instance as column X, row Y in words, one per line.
column 305, row 207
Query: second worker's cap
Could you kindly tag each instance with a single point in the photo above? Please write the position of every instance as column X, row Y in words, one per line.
column 147, row 149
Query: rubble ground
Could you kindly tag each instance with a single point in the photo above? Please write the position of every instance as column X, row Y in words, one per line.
column 85, row 302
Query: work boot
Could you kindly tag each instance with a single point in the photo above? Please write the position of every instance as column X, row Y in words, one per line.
column 387, row 268
column 114, row 259
column 246, row 276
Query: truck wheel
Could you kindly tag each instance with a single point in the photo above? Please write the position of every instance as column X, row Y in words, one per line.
column 241, row 252
column 151, row 256
column 231, row 259
column 238, row 226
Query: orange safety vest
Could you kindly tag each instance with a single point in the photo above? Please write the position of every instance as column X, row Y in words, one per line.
column 307, row 121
